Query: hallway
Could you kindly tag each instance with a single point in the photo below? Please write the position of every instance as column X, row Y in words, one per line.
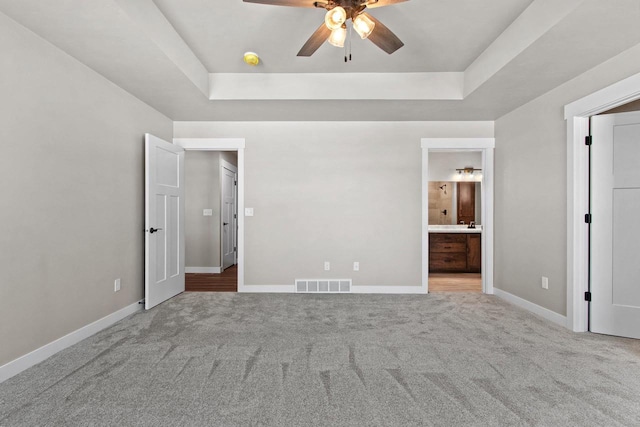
column 227, row 281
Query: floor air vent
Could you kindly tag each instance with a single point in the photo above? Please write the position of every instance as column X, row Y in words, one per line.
column 325, row 286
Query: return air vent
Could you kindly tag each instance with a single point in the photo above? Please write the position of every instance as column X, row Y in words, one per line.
column 323, row 286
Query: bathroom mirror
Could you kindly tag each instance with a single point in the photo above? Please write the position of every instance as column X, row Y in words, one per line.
column 451, row 202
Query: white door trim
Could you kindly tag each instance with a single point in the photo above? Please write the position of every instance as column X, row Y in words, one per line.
column 226, row 144
column 486, row 145
column 577, row 116
column 210, row 144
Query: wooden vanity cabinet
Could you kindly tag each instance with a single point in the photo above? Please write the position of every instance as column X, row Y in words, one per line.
column 474, row 249
column 455, row 252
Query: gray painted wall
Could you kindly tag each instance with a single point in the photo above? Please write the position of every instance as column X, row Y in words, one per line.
column 443, row 164
column 72, row 184
column 631, row 106
column 202, row 191
column 230, row 157
column 338, row 192
column 531, row 187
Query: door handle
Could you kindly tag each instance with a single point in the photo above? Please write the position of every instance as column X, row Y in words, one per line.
column 225, row 223
column 153, row 230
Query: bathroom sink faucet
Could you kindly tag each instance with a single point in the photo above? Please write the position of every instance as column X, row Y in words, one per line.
column 472, row 224
column 462, row 222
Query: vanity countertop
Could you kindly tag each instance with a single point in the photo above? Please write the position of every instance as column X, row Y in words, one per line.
column 454, row 229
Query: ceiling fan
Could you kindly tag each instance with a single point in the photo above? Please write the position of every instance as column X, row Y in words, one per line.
column 334, row 28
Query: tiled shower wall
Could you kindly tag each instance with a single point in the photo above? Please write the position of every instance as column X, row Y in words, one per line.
column 439, row 202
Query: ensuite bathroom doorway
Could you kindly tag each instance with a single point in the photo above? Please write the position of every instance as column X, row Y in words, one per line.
column 457, row 241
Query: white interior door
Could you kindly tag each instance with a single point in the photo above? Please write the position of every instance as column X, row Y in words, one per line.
column 229, row 214
column 164, row 221
column 615, row 228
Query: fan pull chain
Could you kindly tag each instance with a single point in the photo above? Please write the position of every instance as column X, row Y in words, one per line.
column 347, row 45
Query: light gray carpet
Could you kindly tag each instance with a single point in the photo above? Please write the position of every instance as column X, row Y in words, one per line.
column 320, row 360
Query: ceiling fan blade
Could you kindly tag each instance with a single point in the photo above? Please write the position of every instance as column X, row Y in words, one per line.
column 380, row 3
column 315, row 41
column 384, row 37
column 293, row 3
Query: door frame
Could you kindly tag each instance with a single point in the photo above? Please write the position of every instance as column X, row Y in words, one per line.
column 226, row 144
column 226, row 165
column 486, row 146
column 577, row 116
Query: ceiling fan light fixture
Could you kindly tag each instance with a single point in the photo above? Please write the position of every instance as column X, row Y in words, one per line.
column 335, row 18
column 363, row 25
column 338, row 36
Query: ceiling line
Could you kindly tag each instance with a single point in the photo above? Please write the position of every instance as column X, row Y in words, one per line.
column 533, row 23
column 336, row 86
column 158, row 29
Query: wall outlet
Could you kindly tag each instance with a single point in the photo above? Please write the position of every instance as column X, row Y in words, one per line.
column 116, row 285
column 207, row 212
column 545, row 282
column 248, row 211
column 356, row 266
column 327, row 266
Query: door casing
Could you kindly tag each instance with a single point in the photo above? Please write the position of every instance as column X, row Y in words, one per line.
column 577, row 116
column 486, row 146
column 226, row 144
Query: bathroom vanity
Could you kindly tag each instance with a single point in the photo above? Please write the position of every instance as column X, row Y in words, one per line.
column 455, row 249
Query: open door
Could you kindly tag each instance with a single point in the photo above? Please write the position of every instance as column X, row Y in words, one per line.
column 164, row 221
column 229, row 216
column 615, row 228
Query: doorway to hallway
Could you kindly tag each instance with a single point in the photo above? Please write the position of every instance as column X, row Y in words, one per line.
column 211, row 220
column 227, row 281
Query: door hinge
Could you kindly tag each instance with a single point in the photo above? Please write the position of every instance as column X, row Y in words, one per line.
column 588, row 140
column 587, row 296
column 235, row 249
column 587, row 218
column 235, row 182
column 235, row 216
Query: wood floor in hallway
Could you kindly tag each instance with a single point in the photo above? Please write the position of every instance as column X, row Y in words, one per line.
column 455, row 282
column 227, row 281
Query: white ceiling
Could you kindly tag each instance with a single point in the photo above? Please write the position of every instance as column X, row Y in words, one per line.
column 438, row 35
column 492, row 55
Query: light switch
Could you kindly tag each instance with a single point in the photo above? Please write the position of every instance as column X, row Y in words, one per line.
column 545, row 282
column 207, row 212
column 248, row 211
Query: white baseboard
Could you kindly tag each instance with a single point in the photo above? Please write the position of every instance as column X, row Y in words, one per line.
column 534, row 308
column 210, row 270
column 388, row 290
column 36, row 356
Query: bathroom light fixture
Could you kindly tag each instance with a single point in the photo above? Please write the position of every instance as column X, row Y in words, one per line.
column 468, row 170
